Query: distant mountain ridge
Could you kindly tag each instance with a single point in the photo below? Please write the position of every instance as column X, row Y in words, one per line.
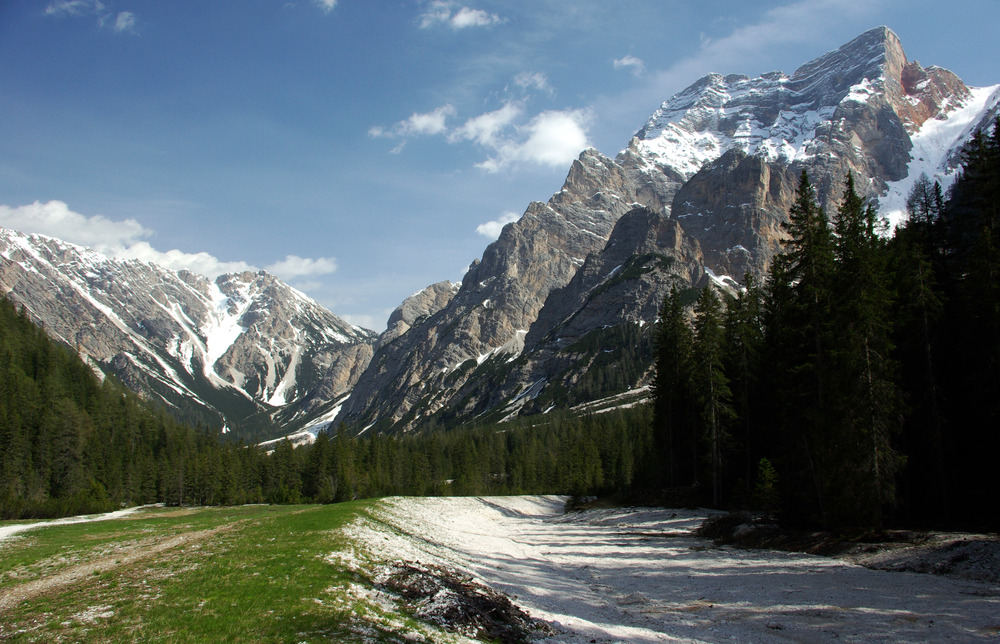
column 559, row 308
column 240, row 353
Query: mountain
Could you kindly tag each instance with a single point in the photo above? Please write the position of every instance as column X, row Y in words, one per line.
column 243, row 353
column 558, row 311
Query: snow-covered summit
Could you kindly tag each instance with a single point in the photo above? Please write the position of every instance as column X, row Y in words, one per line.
column 246, row 344
column 844, row 104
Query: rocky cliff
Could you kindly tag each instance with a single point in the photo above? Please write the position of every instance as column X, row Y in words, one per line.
column 229, row 354
column 558, row 310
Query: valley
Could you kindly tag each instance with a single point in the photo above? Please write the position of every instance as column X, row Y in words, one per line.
column 316, row 573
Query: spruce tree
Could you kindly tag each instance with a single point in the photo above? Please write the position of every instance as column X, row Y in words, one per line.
column 673, row 428
column 797, row 338
column 711, row 385
column 867, row 401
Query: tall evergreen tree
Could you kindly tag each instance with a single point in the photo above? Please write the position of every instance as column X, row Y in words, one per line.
column 867, row 399
column 744, row 328
column 673, row 427
column 797, row 331
column 711, row 384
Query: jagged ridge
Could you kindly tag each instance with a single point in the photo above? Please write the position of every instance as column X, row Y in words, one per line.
column 242, row 347
column 697, row 197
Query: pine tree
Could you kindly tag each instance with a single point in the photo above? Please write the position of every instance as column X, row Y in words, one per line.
column 867, row 399
column 797, row 338
column 711, row 384
column 744, row 328
column 673, row 428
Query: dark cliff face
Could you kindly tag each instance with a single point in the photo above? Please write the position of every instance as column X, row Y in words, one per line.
column 698, row 197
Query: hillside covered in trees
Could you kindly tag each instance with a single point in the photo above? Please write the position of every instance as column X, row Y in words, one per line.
column 73, row 444
column 859, row 384
column 856, row 386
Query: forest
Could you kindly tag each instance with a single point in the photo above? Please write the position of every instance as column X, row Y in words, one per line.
column 856, row 386
column 73, row 444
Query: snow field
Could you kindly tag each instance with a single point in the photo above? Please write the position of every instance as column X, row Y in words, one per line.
column 640, row 575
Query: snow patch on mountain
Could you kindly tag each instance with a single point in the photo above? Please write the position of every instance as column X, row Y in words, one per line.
column 935, row 146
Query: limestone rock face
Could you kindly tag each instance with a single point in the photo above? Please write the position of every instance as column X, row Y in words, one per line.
column 697, row 197
column 229, row 353
column 417, row 308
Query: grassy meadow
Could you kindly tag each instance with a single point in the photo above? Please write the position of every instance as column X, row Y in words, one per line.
column 236, row 574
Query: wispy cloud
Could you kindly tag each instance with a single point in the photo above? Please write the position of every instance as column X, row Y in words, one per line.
column 122, row 22
column 493, row 228
column 70, row 7
column 326, row 5
column 552, row 138
column 417, row 124
column 533, row 81
column 486, row 129
column 447, row 12
column 635, row 65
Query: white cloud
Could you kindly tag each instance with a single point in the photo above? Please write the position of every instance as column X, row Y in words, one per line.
column 201, row 263
column 485, row 129
column 447, row 12
column 493, row 228
column 326, row 5
column 121, row 23
column 71, row 7
column 417, row 124
column 294, row 266
column 552, row 139
column 55, row 219
column 533, row 80
column 429, row 123
column 124, row 22
column 466, row 17
column 125, row 240
column 631, row 63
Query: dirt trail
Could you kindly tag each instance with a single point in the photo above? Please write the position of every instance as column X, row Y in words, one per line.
column 642, row 575
column 9, row 531
column 123, row 556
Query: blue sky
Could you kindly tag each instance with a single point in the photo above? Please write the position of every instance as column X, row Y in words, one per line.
column 364, row 149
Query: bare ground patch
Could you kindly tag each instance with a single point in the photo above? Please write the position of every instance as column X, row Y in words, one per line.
column 123, row 554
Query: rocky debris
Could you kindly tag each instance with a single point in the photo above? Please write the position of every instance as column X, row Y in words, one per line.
column 968, row 556
column 951, row 554
column 457, row 603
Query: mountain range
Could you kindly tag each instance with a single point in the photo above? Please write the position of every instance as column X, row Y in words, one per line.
column 244, row 352
column 559, row 311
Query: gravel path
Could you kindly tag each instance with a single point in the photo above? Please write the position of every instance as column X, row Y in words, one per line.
column 641, row 575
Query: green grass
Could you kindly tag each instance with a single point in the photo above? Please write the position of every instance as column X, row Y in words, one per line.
column 241, row 574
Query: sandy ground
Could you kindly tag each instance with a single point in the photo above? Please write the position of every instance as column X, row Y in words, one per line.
column 641, row 575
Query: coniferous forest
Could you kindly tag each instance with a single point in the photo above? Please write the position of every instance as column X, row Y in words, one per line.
column 859, row 383
column 72, row 444
column 856, row 386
